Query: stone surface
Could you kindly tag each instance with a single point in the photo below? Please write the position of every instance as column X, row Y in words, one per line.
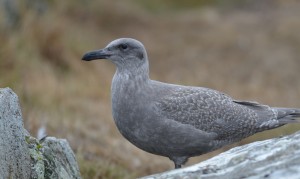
column 61, row 163
column 14, row 152
column 23, row 156
column 272, row 159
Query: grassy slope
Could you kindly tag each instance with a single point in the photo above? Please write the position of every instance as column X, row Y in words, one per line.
column 249, row 53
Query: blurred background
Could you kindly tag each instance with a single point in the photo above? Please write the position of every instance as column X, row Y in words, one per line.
column 249, row 49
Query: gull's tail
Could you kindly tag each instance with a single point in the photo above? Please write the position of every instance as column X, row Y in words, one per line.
column 287, row 115
column 283, row 116
column 272, row 117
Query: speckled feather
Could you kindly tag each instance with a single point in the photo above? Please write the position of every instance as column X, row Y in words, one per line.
column 210, row 111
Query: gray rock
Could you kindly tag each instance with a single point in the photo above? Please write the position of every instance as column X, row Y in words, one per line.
column 277, row 158
column 61, row 163
column 14, row 153
column 23, row 156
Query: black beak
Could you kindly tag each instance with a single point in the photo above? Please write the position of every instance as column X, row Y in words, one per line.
column 97, row 54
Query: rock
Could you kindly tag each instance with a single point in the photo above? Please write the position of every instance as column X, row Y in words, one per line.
column 61, row 163
column 23, row 156
column 273, row 159
column 14, row 153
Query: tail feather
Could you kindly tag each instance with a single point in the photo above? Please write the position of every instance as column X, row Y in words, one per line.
column 271, row 117
column 287, row 115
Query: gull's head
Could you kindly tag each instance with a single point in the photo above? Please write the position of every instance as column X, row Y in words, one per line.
column 124, row 52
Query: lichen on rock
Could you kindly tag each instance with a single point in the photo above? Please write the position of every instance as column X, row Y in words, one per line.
column 23, row 156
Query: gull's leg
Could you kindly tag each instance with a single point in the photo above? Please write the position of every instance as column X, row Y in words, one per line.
column 177, row 166
column 179, row 161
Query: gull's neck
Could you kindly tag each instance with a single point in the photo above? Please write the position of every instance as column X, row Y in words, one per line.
column 133, row 73
column 131, row 79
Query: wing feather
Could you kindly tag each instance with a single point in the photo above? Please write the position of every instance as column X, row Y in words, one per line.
column 210, row 111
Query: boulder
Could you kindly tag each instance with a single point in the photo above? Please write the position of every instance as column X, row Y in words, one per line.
column 23, row 156
column 277, row 158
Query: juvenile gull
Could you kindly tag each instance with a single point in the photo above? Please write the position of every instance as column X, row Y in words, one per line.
column 178, row 121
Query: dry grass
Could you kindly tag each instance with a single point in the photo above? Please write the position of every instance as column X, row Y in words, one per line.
column 250, row 53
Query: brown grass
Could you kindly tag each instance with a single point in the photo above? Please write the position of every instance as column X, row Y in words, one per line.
column 249, row 53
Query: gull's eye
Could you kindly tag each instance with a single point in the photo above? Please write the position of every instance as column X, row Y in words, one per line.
column 123, row 46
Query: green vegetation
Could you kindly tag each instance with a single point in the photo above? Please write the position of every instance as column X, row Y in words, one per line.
column 38, row 163
column 251, row 53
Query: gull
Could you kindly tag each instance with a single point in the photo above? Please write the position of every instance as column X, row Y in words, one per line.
column 178, row 121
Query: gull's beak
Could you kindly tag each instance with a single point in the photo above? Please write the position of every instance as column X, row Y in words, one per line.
column 97, row 54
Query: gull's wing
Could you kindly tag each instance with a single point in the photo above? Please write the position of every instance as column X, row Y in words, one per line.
column 211, row 111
